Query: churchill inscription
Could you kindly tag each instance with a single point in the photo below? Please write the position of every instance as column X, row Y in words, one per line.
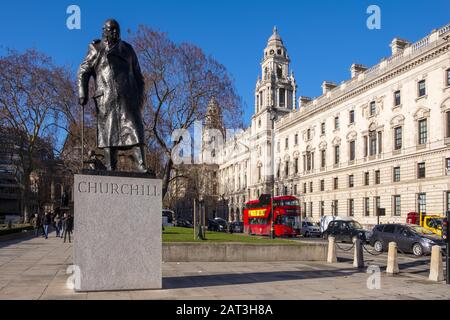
column 119, row 189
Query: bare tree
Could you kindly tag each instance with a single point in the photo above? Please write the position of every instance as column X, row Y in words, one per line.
column 180, row 80
column 35, row 99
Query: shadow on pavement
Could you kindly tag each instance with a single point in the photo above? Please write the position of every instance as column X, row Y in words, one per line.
column 252, row 277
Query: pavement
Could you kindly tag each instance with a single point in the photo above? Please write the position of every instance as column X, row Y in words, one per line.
column 35, row 268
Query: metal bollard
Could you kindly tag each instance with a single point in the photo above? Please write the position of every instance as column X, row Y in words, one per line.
column 392, row 263
column 436, row 265
column 358, row 257
column 331, row 257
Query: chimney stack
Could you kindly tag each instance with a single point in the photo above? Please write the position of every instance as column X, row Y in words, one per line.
column 304, row 100
column 398, row 45
column 357, row 69
column 327, row 86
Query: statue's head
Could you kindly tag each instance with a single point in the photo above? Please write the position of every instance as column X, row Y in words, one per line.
column 111, row 31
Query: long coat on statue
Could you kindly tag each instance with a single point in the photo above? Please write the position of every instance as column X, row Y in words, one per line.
column 119, row 93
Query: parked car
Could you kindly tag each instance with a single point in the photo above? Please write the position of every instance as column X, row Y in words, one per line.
column 346, row 231
column 409, row 238
column 184, row 223
column 309, row 229
column 213, row 225
column 237, row 227
column 325, row 220
column 223, row 224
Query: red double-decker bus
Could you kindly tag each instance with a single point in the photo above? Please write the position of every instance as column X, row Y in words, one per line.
column 258, row 217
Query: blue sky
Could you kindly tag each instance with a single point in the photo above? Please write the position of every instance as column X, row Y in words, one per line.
column 323, row 38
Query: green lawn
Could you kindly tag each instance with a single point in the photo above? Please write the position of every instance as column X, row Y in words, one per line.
column 176, row 234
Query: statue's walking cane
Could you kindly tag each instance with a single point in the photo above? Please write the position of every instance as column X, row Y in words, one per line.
column 82, row 137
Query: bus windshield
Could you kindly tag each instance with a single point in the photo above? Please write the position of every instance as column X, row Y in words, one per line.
column 289, row 221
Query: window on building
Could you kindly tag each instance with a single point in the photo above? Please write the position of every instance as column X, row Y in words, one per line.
column 422, row 202
column 351, row 207
column 380, row 142
column 373, row 108
column 352, row 150
column 278, row 146
column 295, row 189
column 366, row 148
column 334, row 207
column 296, row 139
column 285, row 190
column 286, row 168
column 373, row 143
column 447, row 166
column 296, row 165
column 310, row 209
column 336, row 154
column 322, row 158
column 304, row 187
column 421, row 170
column 322, row 185
column 366, row 207
column 286, row 143
column 366, row 178
column 447, row 72
column 397, row 98
column 322, row 128
column 282, row 96
column 448, row 201
column 335, row 183
column 322, row 208
column 336, row 123
column 448, row 123
column 351, row 181
column 398, row 138
column 308, row 161
column 351, row 116
column 377, row 177
column 377, row 203
column 421, row 88
column 311, row 187
column 423, row 131
column 308, row 134
column 396, row 174
column 397, row 206
column 259, row 173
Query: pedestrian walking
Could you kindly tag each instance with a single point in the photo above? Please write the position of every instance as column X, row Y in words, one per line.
column 58, row 224
column 47, row 222
column 68, row 226
column 37, row 224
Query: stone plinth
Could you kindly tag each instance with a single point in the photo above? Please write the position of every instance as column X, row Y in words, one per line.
column 117, row 232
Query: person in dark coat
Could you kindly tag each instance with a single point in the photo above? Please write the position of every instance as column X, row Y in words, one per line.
column 58, row 223
column 47, row 222
column 119, row 95
column 68, row 226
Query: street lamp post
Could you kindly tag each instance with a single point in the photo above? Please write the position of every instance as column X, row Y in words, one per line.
column 273, row 117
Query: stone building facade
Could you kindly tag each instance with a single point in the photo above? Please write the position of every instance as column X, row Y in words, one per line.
column 378, row 140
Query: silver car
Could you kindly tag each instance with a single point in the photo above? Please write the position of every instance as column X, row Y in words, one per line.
column 309, row 229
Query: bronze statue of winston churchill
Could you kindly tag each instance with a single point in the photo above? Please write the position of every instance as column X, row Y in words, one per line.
column 118, row 96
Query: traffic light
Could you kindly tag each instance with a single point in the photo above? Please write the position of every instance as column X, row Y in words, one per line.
column 445, row 229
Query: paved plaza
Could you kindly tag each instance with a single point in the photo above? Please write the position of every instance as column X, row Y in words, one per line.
column 35, row 268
